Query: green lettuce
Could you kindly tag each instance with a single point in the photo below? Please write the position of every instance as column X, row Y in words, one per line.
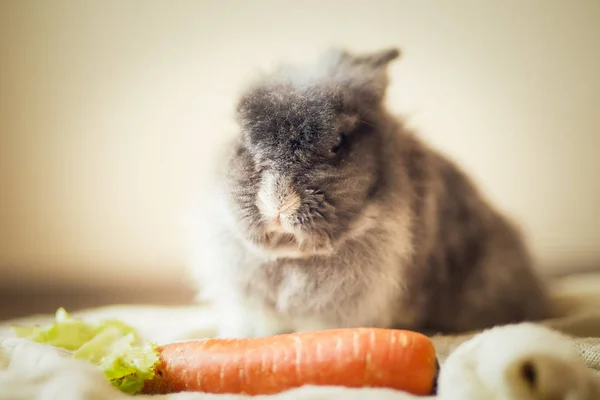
column 126, row 359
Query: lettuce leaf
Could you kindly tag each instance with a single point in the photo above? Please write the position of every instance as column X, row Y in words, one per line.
column 126, row 359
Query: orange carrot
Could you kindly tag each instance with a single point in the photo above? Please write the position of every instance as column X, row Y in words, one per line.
column 361, row 357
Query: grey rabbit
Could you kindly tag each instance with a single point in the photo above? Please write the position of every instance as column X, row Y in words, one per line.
column 331, row 213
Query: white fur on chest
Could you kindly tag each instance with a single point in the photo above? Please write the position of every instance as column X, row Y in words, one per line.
column 260, row 294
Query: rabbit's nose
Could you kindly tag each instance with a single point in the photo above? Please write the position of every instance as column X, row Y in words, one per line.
column 276, row 197
column 289, row 205
column 544, row 377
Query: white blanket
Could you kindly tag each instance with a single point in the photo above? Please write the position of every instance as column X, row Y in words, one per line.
column 558, row 359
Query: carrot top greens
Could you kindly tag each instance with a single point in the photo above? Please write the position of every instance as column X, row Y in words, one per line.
column 126, row 359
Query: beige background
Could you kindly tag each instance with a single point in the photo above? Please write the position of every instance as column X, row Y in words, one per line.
column 110, row 112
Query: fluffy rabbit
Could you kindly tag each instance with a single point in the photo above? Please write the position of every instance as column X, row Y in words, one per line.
column 331, row 213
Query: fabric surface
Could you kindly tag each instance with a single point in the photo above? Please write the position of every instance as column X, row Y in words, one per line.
column 564, row 352
column 590, row 352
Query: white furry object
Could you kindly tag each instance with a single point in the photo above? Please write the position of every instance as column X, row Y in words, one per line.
column 524, row 361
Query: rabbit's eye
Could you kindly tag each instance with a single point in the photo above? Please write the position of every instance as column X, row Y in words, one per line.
column 339, row 143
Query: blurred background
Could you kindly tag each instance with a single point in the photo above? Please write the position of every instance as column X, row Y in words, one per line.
column 111, row 111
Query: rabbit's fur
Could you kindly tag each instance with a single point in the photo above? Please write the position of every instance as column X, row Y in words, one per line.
column 311, row 231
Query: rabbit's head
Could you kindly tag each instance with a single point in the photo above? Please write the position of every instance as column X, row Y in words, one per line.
column 310, row 152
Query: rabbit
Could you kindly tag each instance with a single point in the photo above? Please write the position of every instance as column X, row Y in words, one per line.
column 328, row 212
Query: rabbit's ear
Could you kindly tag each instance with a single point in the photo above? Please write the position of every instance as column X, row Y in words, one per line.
column 378, row 59
column 363, row 75
column 338, row 58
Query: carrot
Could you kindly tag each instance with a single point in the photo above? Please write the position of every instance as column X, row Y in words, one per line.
column 356, row 357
